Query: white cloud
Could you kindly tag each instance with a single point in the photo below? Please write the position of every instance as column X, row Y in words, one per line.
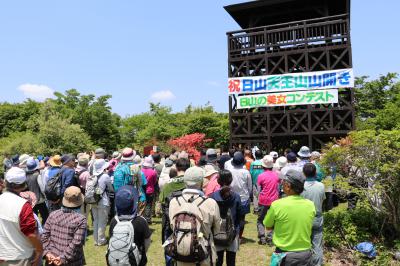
column 165, row 95
column 36, row 92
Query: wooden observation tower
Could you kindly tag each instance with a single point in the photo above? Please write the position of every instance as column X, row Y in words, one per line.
column 297, row 49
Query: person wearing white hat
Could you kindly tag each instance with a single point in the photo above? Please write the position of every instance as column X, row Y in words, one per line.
column 315, row 157
column 151, row 178
column 304, row 154
column 274, row 155
column 19, row 241
column 279, row 164
column 268, row 187
column 101, row 210
column 210, row 183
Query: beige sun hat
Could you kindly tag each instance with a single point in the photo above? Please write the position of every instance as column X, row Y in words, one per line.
column 73, row 197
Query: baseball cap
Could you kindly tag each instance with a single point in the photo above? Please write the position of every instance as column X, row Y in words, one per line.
column 193, row 176
column 67, row 158
column 274, row 154
column 291, row 157
column 294, row 177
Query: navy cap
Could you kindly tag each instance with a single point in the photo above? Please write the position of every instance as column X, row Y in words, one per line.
column 126, row 200
column 291, row 157
column 66, row 158
column 238, row 159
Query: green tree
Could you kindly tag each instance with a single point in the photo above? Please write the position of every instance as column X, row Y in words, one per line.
column 376, row 102
column 93, row 114
column 159, row 125
column 370, row 165
column 15, row 117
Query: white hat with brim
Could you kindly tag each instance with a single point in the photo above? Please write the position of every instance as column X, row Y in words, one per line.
column 148, row 162
column 23, row 159
column 267, row 161
column 128, row 154
column 209, row 170
column 99, row 166
column 304, row 152
column 281, row 162
column 73, row 197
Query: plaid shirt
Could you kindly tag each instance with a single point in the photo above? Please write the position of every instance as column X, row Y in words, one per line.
column 64, row 236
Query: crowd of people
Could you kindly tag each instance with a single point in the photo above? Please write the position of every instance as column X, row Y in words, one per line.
column 47, row 202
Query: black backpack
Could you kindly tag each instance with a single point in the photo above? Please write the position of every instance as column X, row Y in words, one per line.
column 53, row 187
column 227, row 233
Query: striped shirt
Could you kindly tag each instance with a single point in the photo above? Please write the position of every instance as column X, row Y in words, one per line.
column 64, row 236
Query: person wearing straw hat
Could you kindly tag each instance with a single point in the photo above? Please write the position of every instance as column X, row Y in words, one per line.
column 65, row 231
column 55, row 166
column 268, row 187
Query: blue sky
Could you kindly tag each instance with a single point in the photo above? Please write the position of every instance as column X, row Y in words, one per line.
column 140, row 51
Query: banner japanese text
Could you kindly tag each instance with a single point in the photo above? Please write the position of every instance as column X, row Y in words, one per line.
column 330, row 79
column 288, row 98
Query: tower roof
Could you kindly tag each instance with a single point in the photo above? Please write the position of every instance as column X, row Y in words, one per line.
column 269, row 12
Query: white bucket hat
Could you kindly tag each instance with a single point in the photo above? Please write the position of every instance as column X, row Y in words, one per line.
column 304, row 152
column 99, row 166
column 268, row 161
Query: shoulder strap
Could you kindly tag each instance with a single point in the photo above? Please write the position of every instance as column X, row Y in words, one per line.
column 203, row 199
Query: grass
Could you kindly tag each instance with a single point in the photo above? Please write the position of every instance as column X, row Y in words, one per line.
column 250, row 252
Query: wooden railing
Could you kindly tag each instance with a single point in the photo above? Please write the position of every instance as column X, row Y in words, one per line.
column 324, row 31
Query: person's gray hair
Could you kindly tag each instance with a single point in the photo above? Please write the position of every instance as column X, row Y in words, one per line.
column 198, row 186
column 12, row 187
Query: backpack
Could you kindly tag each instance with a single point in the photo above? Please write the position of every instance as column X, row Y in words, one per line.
column 122, row 250
column 227, row 233
column 92, row 190
column 77, row 175
column 188, row 243
column 53, row 187
column 166, row 223
column 124, row 171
